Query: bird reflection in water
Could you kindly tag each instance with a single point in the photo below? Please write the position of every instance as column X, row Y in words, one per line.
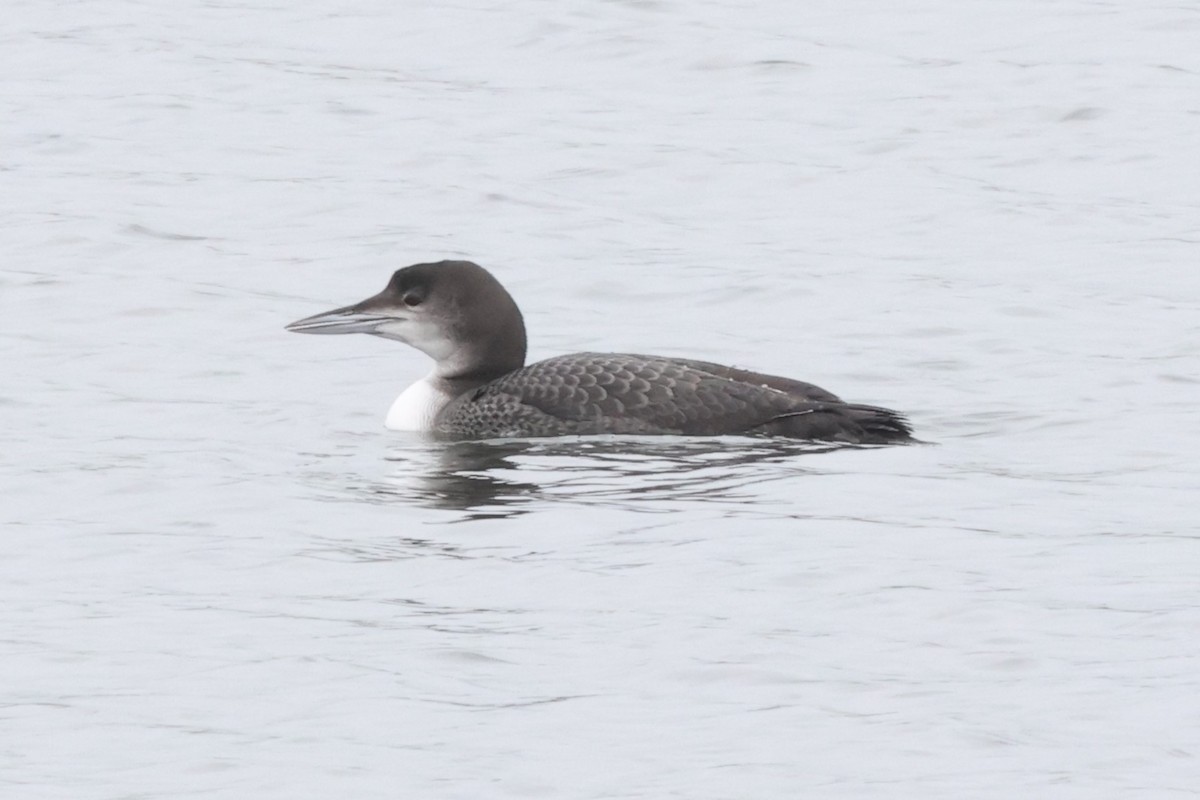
column 507, row 478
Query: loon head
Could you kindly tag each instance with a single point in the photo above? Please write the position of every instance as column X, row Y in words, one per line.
column 455, row 312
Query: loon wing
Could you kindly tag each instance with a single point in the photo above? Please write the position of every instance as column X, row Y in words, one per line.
column 593, row 393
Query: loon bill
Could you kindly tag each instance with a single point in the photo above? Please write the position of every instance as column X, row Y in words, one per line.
column 459, row 315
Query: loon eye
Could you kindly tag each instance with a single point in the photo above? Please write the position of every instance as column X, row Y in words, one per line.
column 412, row 299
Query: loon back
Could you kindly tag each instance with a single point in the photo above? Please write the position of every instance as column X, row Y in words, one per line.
column 458, row 313
column 617, row 393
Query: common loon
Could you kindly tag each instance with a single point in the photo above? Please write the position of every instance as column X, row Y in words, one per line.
column 458, row 314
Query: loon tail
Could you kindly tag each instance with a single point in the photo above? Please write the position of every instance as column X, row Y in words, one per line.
column 842, row 422
column 881, row 425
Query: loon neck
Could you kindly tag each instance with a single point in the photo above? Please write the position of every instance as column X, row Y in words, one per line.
column 482, row 357
column 456, row 382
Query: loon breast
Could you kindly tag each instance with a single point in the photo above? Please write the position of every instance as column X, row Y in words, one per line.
column 417, row 406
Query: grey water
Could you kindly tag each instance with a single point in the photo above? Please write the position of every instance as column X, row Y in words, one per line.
column 222, row 577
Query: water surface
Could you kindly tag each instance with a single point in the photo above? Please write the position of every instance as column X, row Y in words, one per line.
column 222, row 577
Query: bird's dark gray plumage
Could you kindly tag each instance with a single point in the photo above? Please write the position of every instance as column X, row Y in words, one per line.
column 595, row 393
